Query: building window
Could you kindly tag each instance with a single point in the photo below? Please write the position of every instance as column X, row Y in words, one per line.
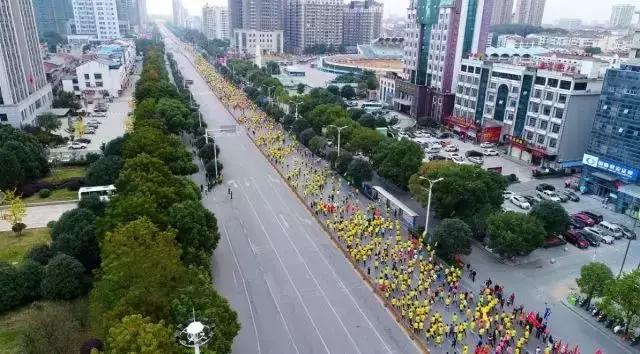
column 546, row 110
column 86, row 76
column 552, row 83
column 534, row 107
column 558, row 113
column 555, row 128
column 541, row 80
column 537, row 93
column 493, row 85
column 87, row 84
column 544, row 125
column 565, row 85
column 562, row 98
column 515, row 89
column 553, row 143
column 489, row 110
column 98, row 84
column 541, row 139
column 548, row 96
column 532, row 122
column 512, row 102
column 529, row 136
column 97, row 76
column 3, row 117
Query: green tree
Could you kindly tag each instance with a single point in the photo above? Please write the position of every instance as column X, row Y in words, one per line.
column 63, row 278
column 348, row 92
column 359, row 171
column 552, row 215
column 65, row 100
column 334, row 89
column 206, row 153
column 140, row 271
column 175, row 114
column 15, row 211
column 197, row 232
column 367, row 120
column 30, row 277
column 464, row 192
column 621, row 299
column 593, row 50
column 40, row 254
column 453, row 236
column 324, row 115
column 114, row 147
column 53, row 327
column 317, row 144
column 306, row 136
column 343, row 161
column 594, row 278
column 11, row 290
column 397, row 160
column 200, row 297
column 48, row 122
column 73, row 222
column 104, row 171
column 137, row 334
column 514, row 234
column 156, row 143
column 301, row 88
column 22, row 157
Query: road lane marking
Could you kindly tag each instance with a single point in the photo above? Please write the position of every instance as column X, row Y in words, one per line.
column 244, row 285
column 286, row 272
column 281, row 316
column 308, row 221
column 271, row 209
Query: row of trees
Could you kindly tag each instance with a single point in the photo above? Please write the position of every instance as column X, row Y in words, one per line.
column 156, row 238
column 474, row 197
column 21, row 156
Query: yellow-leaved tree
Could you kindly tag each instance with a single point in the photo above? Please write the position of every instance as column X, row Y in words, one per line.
column 15, row 210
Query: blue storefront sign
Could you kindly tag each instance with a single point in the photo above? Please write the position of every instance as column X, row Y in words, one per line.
column 625, row 172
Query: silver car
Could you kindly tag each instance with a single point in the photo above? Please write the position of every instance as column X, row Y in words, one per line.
column 600, row 235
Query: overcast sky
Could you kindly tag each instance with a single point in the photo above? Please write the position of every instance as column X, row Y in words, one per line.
column 587, row 10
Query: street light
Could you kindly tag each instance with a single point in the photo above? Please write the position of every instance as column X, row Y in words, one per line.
column 195, row 335
column 339, row 131
column 269, row 91
column 431, row 183
column 296, row 104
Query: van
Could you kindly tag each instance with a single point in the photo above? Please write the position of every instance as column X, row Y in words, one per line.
column 611, row 229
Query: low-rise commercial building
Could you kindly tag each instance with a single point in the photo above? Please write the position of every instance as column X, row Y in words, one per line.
column 246, row 41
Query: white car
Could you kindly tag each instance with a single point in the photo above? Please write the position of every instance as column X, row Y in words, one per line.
column 457, row 159
column 520, row 202
column 549, row 195
column 433, row 149
column 598, row 233
column 490, row 152
column 487, row 145
column 451, row 148
column 77, row 146
column 475, row 159
column 99, row 114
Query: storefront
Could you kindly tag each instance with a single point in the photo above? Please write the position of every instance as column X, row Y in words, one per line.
column 611, row 181
column 468, row 129
column 522, row 150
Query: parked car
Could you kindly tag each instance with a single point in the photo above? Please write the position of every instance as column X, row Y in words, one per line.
column 532, row 199
column 92, row 125
column 99, row 114
column 487, row 145
column 545, row 187
column 575, row 238
column 611, row 229
column 562, row 196
column 77, row 146
column 490, row 152
column 598, row 233
column 507, row 194
column 84, row 140
column 451, row 148
column 549, row 195
column 584, row 218
column 90, row 131
column 594, row 216
column 436, row 158
column 432, row 149
column 94, row 121
column 572, row 196
column 576, row 223
column 475, row 159
column 520, row 202
column 627, row 232
column 594, row 241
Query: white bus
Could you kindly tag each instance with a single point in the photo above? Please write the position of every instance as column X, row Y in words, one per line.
column 372, row 106
column 104, row 193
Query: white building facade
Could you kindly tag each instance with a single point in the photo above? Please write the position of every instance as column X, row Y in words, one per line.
column 97, row 18
column 246, row 41
column 215, row 22
column 313, row 22
column 24, row 91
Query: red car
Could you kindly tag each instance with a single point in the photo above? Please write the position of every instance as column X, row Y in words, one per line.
column 584, row 218
column 575, row 238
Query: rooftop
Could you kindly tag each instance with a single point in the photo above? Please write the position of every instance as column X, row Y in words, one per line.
column 507, row 51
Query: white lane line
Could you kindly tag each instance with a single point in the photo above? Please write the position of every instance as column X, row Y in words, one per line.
column 326, row 298
column 286, row 272
column 244, row 285
column 281, row 316
column 235, row 279
column 306, row 233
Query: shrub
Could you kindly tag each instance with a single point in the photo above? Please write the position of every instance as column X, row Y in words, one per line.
column 41, row 254
column 10, row 288
column 44, row 193
column 51, row 223
column 63, row 278
column 31, row 274
column 92, row 157
column 18, row 227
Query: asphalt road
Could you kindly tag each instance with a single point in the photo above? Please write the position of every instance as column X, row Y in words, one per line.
column 294, row 291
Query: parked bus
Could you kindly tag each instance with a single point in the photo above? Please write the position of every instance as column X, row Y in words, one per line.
column 372, row 106
column 104, row 193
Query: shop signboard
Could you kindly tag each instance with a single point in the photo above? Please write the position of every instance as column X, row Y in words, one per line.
column 618, row 169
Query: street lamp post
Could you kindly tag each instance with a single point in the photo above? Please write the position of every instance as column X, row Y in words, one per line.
column 296, row 104
column 431, row 183
column 635, row 223
column 339, row 131
column 269, row 92
column 195, row 335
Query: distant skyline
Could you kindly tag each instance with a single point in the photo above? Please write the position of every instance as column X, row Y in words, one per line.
column 587, row 10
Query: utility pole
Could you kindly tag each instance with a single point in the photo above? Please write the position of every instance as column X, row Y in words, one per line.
column 339, row 131
column 431, row 183
column 195, row 335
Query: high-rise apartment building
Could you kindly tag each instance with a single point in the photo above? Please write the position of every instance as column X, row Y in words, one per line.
column 529, row 12
column 53, row 16
column 131, row 14
column 502, row 12
column 362, row 22
column 313, row 22
column 261, row 15
column 180, row 14
column 621, row 15
column 24, row 91
column 215, row 22
column 612, row 160
column 98, row 18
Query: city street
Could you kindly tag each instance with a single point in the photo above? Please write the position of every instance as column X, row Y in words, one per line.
column 294, row 291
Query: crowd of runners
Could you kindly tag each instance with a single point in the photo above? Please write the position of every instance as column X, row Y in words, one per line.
column 426, row 295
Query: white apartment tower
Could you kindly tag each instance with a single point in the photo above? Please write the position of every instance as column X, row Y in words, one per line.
column 313, row 22
column 362, row 22
column 215, row 22
column 529, row 12
column 621, row 15
column 98, row 18
column 24, row 91
column 502, row 12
